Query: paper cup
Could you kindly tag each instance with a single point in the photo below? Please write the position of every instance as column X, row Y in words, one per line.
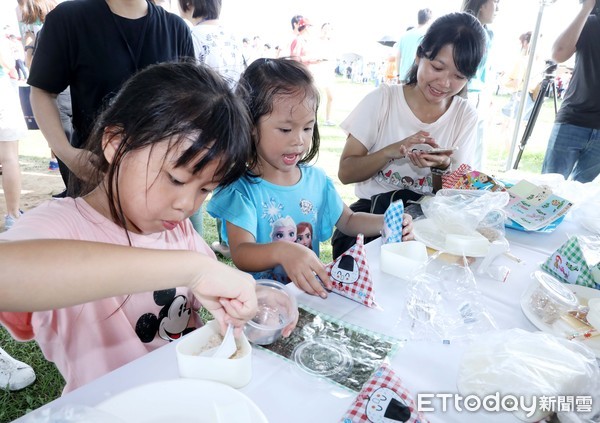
column 403, row 259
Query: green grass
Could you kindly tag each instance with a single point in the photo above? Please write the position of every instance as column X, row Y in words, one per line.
column 49, row 383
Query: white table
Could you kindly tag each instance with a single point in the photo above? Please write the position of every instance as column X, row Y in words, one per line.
column 285, row 394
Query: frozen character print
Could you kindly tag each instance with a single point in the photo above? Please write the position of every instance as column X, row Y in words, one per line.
column 345, row 270
column 172, row 321
column 304, row 235
column 306, row 207
column 283, row 229
column 386, row 406
column 380, row 177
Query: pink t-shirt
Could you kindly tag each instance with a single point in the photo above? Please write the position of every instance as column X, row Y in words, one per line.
column 89, row 340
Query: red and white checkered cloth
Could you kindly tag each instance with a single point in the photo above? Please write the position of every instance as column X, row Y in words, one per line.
column 450, row 181
column 383, row 399
column 350, row 276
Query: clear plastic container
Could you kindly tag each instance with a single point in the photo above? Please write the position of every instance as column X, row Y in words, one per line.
column 323, row 357
column 276, row 310
column 549, row 298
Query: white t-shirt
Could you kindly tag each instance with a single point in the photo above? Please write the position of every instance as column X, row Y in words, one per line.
column 383, row 118
column 215, row 47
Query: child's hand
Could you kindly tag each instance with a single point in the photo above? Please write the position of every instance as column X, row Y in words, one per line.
column 304, row 268
column 228, row 294
column 407, row 227
column 287, row 331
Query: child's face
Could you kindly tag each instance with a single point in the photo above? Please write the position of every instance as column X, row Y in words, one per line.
column 154, row 194
column 285, row 137
column 438, row 79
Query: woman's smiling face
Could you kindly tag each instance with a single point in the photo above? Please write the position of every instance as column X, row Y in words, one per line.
column 438, row 79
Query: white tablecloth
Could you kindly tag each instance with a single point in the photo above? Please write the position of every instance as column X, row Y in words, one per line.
column 285, row 394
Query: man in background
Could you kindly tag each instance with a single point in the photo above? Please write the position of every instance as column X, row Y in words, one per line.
column 574, row 146
column 407, row 46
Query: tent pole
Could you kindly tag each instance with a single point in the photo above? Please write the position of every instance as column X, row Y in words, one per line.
column 524, row 91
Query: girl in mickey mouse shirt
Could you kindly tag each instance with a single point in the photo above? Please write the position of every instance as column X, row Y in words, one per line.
column 173, row 133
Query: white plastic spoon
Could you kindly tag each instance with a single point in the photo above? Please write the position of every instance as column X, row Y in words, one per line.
column 227, row 347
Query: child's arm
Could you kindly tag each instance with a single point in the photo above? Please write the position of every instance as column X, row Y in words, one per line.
column 300, row 263
column 354, row 223
column 62, row 273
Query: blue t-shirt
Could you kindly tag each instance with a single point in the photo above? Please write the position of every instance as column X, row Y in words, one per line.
column 273, row 213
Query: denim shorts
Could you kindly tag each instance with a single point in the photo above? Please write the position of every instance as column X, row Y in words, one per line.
column 573, row 151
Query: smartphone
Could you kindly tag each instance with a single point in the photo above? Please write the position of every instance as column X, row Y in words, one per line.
column 441, row 150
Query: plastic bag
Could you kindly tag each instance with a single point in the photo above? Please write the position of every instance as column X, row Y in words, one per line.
column 446, row 306
column 532, row 367
column 461, row 211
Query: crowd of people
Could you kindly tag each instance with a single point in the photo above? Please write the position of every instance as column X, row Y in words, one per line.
column 167, row 110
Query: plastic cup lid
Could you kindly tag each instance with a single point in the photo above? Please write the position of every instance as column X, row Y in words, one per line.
column 556, row 289
column 323, row 357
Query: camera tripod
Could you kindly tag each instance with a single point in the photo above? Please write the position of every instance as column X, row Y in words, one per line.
column 548, row 87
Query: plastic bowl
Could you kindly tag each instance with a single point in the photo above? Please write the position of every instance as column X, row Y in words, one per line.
column 235, row 372
column 403, row 259
column 276, row 310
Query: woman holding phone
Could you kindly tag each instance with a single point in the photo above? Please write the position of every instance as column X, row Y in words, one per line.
column 390, row 129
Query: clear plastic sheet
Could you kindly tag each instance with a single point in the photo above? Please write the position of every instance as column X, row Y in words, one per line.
column 446, row 306
column 532, row 365
column 461, row 211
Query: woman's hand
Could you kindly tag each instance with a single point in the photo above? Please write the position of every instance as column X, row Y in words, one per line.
column 304, row 268
column 403, row 148
column 423, row 159
column 407, row 227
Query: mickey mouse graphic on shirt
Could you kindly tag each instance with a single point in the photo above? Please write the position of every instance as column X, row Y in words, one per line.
column 172, row 321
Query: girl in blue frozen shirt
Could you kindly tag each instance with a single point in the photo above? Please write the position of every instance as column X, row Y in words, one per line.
column 280, row 185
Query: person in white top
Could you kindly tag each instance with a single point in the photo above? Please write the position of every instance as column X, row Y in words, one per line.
column 213, row 44
column 217, row 48
column 382, row 152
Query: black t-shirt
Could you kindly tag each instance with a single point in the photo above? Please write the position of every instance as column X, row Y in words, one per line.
column 581, row 105
column 84, row 45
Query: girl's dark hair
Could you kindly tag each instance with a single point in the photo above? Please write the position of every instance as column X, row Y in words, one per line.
column 178, row 103
column 207, row 9
column 467, row 37
column 262, row 81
